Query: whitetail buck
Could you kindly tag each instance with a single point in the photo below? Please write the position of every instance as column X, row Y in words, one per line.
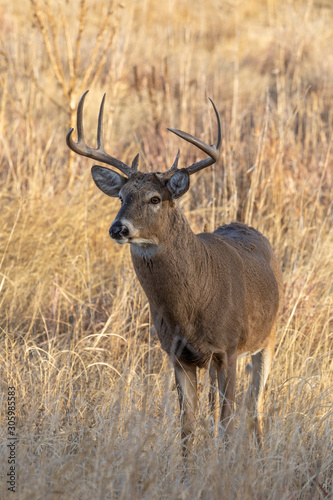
column 213, row 296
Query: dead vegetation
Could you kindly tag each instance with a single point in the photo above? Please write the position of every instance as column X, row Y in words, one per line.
column 95, row 395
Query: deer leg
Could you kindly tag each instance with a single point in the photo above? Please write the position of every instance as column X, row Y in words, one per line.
column 226, row 377
column 212, row 392
column 261, row 363
column 186, row 381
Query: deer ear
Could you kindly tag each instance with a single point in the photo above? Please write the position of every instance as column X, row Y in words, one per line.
column 179, row 183
column 107, row 180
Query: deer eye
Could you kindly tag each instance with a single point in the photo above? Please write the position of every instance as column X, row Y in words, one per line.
column 155, row 200
column 121, row 200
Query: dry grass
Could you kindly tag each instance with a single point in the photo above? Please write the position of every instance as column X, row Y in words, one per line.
column 97, row 412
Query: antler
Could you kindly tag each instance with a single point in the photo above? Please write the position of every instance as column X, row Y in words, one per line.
column 213, row 151
column 99, row 154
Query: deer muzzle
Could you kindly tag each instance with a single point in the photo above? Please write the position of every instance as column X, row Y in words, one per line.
column 119, row 231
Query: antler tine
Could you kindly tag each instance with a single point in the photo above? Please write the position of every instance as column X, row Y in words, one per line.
column 135, row 163
column 79, row 120
column 175, row 163
column 100, row 128
column 212, row 151
column 174, row 167
column 74, row 146
column 99, row 154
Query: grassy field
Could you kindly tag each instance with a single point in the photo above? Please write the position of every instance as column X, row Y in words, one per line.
column 95, row 402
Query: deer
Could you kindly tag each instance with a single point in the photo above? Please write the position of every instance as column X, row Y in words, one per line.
column 213, row 296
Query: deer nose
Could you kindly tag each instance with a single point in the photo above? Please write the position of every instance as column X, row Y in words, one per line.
column 118, row 230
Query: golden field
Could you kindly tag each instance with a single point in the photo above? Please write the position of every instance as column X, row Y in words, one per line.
column 95, row 402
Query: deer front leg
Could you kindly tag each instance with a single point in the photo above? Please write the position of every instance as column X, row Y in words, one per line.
column 186, row 381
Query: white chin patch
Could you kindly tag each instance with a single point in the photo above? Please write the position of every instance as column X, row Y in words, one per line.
column 122, row 241
column 143, row 242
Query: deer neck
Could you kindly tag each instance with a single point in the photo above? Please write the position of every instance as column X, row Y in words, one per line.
column 175, row 278
column 174, row 263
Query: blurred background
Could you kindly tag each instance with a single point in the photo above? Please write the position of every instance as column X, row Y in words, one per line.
column 97, row 411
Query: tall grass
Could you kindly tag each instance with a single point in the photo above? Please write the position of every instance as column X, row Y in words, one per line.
column 97, row 411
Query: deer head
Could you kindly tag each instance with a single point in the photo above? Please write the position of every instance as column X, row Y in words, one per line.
column 147, row 198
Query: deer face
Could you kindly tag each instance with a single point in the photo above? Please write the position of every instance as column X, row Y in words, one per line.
column 147, row 202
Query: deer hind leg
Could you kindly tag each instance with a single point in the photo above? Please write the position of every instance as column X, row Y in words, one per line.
column 226, row 378
column 186, row 381
column 212, row 393
column 261, row 363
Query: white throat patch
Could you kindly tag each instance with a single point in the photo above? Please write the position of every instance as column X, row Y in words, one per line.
column 145, row 249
